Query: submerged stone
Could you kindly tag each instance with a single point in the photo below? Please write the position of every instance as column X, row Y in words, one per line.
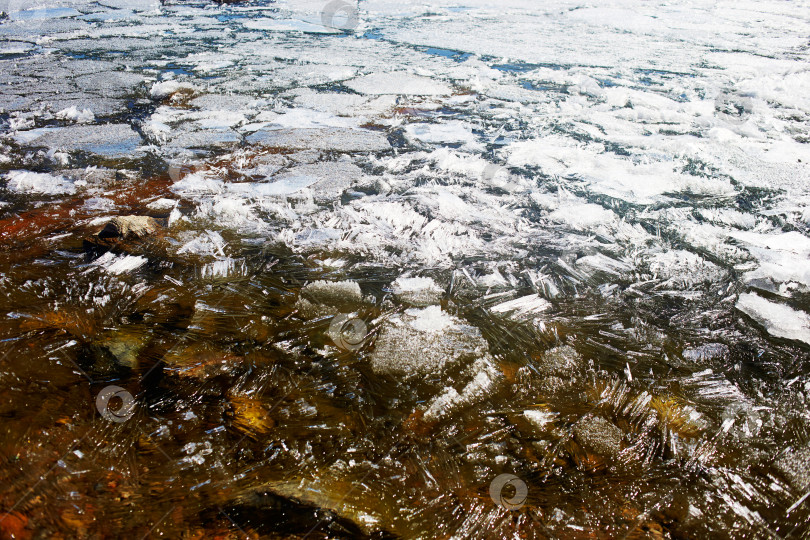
column 561, row 369
column 794, row 465
column 425, row 341
column 324, row 298
column 129, row 227
column 125, row 346
column 598, row 436
column 563, row 361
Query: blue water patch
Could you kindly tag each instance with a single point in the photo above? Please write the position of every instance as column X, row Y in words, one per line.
column 372, row 34
column 520, row 67
column 179, row 70
column 458, row 56
column 529, row 85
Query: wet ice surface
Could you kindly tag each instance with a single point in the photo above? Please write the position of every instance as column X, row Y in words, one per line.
column 394, row 253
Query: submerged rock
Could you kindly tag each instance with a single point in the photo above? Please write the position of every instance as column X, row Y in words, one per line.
column 250, row 415
column 332, row 502
column 562, row 368
column 324, row 298
column 129, row 227
column 125, row 345
column 425, row 341
column 598, row 436
column 563, row 361
column 794, row 465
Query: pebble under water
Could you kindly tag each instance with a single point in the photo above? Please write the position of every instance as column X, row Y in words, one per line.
column 305, row 269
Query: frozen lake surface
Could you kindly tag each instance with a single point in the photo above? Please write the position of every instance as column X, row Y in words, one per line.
column 309, row 269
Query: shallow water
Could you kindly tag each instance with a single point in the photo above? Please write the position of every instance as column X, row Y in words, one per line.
column 394, row 253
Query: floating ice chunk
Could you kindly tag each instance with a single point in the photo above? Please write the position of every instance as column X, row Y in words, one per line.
column 417, row 291
column 326, row 180
column 289, row 25
column 14, row 48
column 778, row 319
column 101, row 204
column 586, row 86
column 485, row 377
column 111, row 140
column 195, row 137
column 582, row 216
column 538, row 418
column 231, row 103
column 39, row 183
column 115, row 84
column 684, row 269
column 430, row 319
column 197, row 184
column 708, row 351
column 287, row 185
column 441, row 339
column 400, row 83
column 301, row 118
column 40, row 13
column 165, row 89
column 115, row 264
column 344, row 104
column 522, row 307
column 162, row 204
column 446, row 132
column 782, row 258
column 211, row 243
column 223, row 268
column 84, row 116
column 336, row 139
column 219, row 120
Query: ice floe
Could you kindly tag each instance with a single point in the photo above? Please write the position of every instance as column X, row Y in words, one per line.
column 778, row 319
column 39, row 183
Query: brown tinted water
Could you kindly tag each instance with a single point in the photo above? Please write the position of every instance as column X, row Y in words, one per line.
column 249, row 421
